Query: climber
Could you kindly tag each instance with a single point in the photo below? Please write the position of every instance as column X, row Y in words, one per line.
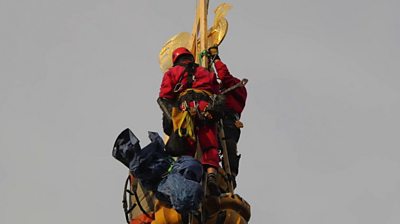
column 186, row 90
column 235, row 101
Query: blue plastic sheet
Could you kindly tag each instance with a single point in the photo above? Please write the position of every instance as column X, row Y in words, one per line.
column 189, row 168
column 181, row 188
column 149, row 164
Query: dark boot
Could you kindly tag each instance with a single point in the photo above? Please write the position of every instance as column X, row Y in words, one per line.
column 233, row 156
column 212, row 184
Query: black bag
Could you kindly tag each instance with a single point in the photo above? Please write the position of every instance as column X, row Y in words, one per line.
column 125, row 147
column 176, row 145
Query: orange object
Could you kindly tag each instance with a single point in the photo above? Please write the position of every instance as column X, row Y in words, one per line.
column 142, row 219
column 165, row 214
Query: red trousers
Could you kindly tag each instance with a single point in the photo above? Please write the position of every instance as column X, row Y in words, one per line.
column 207, row 137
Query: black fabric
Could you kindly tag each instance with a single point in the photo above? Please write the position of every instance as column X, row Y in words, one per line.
column 166, row 121
column 148, row 164
column 151, row 163
column 167, row 125
column 177, row 145
column 125, row 147
column 231, row 131
column 233, row 156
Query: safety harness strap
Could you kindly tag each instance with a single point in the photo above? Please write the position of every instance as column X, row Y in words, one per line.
column 190, row 68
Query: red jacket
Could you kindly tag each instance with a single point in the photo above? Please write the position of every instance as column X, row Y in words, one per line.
column 235, row 99
column 203, row 80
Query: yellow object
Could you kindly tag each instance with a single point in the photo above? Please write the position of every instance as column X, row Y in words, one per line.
column 215, row 35
column 219, row 29
column 166, row 215
column 183, row 119
column 165, row 56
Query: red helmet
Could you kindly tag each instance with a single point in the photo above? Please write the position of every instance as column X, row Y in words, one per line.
column 179, row 52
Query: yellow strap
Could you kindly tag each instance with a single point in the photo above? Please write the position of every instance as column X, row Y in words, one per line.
column 196, row 91
column 182, row 119
column 186, row 121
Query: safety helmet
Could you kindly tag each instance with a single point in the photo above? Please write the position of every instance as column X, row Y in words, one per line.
column 179, row 52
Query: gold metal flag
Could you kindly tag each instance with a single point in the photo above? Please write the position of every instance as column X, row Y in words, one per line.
column 219, row 29
column 216, row 34
column 165, row 57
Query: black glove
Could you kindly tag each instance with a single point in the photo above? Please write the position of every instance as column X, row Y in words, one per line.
column 216, row 106
column 213, row 52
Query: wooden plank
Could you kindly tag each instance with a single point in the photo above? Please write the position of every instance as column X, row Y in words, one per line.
column 203, row 29
column 195, row 31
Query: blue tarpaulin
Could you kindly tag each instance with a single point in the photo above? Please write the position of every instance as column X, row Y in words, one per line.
column 148, row 164
column 181, row 188
column 189, row 168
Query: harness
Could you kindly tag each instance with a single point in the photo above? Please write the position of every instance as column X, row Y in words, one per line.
column 194, row 95
column 184, row 115
column 190, row 68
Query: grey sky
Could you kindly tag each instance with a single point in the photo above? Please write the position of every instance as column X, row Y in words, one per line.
column 321, row 138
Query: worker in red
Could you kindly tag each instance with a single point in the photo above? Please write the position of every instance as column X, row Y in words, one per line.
column 187, row 89
column 235, row 101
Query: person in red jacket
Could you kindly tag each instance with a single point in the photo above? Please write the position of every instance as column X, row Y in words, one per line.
column 235, row 101
column 187, row 89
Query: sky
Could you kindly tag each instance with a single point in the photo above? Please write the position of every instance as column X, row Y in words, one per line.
column 321, row 137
